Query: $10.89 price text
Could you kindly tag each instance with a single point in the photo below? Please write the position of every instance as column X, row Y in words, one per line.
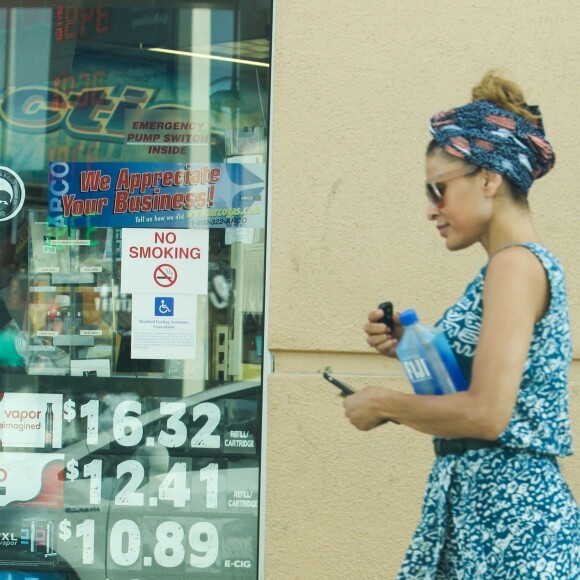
column 174, row 543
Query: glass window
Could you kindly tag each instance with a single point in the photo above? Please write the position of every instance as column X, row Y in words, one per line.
column 133, row 152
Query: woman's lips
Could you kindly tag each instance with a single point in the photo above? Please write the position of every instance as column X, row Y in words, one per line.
column 443, row 229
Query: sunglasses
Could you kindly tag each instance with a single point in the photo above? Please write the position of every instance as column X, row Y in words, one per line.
column 435, row 189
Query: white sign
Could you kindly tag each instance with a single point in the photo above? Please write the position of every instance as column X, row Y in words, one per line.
column 163, row 326
column 31, row 420
column 157, row 261
column 32, row 477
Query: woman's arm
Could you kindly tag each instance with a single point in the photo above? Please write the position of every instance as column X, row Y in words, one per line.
column 515, row 295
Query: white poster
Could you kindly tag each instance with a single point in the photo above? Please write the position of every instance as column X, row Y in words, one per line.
column 31, row 477
column 164, row 326
column 171, row 261
column 31, row 420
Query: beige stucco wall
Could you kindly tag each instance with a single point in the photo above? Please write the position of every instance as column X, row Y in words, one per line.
column 355, row 84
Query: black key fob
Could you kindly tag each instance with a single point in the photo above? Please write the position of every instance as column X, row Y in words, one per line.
column 387, row 308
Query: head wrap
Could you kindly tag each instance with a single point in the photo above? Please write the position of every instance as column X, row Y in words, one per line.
column 487, row 135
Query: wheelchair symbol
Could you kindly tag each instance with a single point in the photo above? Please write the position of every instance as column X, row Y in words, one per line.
column 163, row 306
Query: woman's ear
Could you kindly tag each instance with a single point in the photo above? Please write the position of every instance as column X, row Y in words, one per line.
column 491, row 182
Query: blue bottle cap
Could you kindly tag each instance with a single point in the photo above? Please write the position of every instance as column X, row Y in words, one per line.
column 408, row 317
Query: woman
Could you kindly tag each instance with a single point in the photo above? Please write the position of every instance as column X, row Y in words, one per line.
column 496, row 505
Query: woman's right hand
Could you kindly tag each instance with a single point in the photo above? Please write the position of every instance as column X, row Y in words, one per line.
column 380, row 336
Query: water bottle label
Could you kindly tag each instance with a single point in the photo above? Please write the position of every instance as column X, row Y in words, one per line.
column 429, row 362
column 417, row 369
column 420, row 375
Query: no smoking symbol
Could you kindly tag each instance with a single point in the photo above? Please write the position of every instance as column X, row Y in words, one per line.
column 165, row 275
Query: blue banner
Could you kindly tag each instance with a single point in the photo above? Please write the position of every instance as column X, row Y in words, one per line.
column 157, row 195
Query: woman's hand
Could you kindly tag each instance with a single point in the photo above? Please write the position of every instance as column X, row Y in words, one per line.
column 364, row 409
column 380, row 336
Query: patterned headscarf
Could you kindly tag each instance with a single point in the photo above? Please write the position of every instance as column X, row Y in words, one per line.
column 494, row 138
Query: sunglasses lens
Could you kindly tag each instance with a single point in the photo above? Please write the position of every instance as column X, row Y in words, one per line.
column 435, row 193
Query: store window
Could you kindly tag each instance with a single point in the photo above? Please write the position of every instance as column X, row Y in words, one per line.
column 133, row 199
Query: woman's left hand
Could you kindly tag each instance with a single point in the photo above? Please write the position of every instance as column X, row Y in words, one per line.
column 364, row 408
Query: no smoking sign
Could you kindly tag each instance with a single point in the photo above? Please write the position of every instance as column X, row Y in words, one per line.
column 165, row 275
column 156, row 259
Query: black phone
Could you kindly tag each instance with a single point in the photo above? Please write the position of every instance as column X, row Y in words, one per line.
column 387, row 308
column 346, row 390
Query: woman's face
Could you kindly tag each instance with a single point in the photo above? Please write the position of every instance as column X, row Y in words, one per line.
column 462, row 216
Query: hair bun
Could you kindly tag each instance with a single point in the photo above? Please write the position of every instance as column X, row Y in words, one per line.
column 503, row 93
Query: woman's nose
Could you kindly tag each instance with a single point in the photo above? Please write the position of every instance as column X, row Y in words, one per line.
column 432, row 211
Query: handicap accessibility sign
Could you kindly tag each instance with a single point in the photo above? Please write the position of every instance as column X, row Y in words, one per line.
column 163, row 327
column 164, row 306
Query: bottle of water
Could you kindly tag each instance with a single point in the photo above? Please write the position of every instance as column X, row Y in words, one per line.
column 427, row 358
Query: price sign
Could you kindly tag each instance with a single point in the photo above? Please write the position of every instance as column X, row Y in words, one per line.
column 182, row 545
column 73, row 23
column 88, row 411
column 159, row 482
column 79, row 543
column 208, row 486
column 223, row 427
column 143, row 486
column 242, row 487
column 83, row 481
column 241, row 429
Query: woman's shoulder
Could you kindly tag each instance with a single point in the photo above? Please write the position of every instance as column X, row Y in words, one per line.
column 514, row 259
column 532, row 255
column 525, row 270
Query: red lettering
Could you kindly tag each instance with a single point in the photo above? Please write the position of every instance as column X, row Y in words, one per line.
column 215, row 175
column 200, row 200
column 70, row 20
column 122, row 179
column 78, row 207
column 86, row 18
column 177, row 201
column 102, row 24
column 121, row 205
column 94, row 181
column 158, row 252
column 67, row 201
column 162, row 237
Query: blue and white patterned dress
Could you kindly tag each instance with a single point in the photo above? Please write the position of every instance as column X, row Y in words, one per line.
column 506, row 513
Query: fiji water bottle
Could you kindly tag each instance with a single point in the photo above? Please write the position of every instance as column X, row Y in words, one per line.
column 427, row 358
